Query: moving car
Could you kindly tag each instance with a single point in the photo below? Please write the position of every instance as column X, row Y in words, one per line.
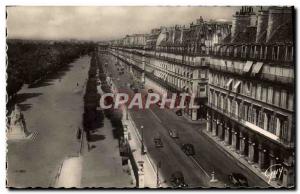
column 188, row 149
column 173, row 133
column 177, row 180
column 238, row 179
column 158, row 143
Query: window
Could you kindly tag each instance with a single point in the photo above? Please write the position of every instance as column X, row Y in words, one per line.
column 260, row 119
column 245, row 112
column 275, row 53
column 264, row 94
column 250, row 115
column 202, row 75
column 284, row 133
column 272, row 125
column 266, row 122
column 236, row 109
column 247, row 88
column 241, row 111
column 222, row 102
column 277, row 127
column 276, row 97
column 253, row 92
column 258, row 93
column 291, row 101
column 237, row 87
column 216, row 99
column 210, row 97
column 283, row 99
column 254, row 116
column 228, row 105
column 233, row 109
column 270, row 95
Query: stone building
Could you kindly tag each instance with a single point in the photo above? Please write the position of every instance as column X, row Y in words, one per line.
column 242, row 73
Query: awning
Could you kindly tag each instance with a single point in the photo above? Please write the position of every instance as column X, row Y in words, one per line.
column 229, row 82
column 236, row 85
column 248, row 66
column 257, row 67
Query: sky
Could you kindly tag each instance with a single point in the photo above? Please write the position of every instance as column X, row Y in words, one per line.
column 102, row 23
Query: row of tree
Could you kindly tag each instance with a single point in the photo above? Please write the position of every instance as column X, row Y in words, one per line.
column 91, row 118
column 30, row 61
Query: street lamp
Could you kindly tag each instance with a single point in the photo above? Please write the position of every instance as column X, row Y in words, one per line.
column 143, row 148
column 158, row 165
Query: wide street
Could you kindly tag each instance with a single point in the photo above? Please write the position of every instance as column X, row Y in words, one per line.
column 197, row 169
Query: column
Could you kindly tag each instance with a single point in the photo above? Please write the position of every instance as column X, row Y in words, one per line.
column 208, row 123
column 217, row 128
column 261, row 157
column 220, row 130
column 214, row 127
column 242, row 144
column 234, row 139
column 251, row 145
column 227, row 140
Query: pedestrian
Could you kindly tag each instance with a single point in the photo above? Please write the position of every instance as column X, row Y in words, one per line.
column 77, row 84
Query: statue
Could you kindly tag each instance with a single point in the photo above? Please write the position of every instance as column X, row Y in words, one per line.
column 17, row 127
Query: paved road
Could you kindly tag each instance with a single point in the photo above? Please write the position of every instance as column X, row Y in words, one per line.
column 53, row 112
column 197, row 170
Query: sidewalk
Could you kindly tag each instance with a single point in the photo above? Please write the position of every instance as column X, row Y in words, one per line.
column 102, row 164
column 240, row 159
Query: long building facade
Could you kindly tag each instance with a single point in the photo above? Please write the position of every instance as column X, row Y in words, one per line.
column 242, row 74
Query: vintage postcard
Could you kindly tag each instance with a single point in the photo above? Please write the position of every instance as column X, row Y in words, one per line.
column 129, row 97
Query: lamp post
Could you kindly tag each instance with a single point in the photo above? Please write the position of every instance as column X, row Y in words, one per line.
column 158, row 165
column 143, row 148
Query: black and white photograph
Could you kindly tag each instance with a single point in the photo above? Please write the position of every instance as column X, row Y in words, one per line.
column 151, row 97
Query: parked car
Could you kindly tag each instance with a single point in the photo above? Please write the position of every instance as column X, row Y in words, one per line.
column 177, row 180
column 179, row 112
column 188, row 149
column 158, row 143
column 238, row 179
column 173, row 133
